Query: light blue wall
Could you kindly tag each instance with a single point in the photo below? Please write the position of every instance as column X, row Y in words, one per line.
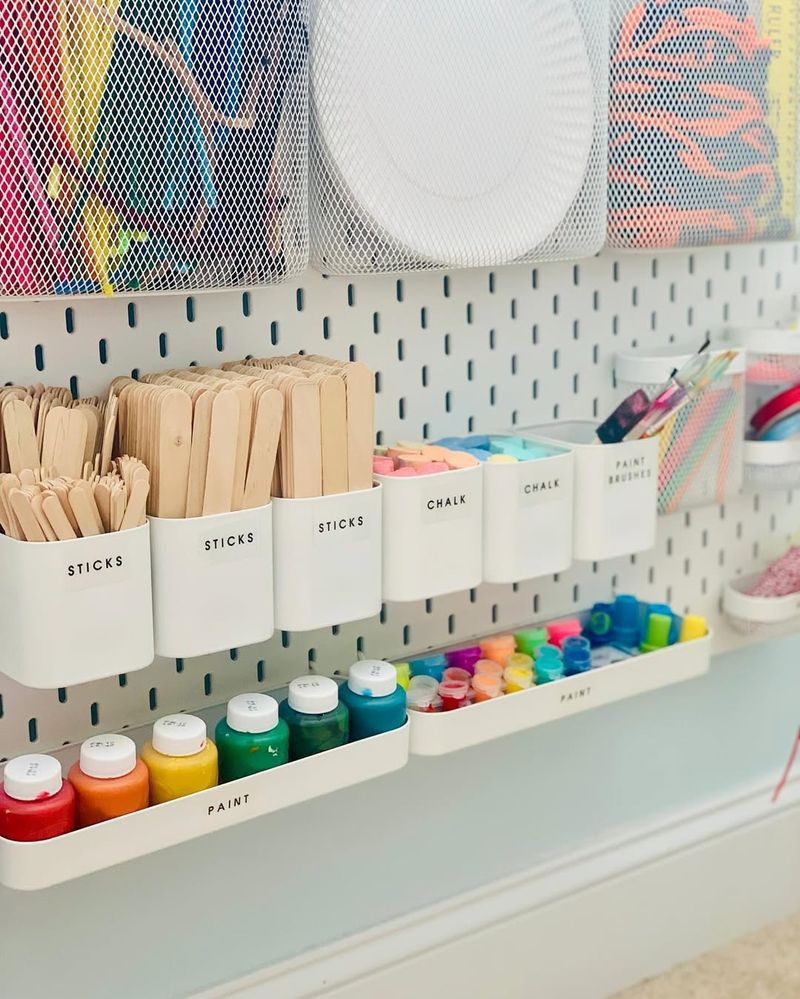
column 209, row 911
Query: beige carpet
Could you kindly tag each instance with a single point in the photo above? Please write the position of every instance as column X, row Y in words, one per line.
column 765, row 965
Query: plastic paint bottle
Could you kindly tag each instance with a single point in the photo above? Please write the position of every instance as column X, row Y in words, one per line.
column 625, row 616
column 373, row 699
column 429, row 666
column 657, row 633
column 317, row 721
column 456, row 673
column 693, row 626
column 180, row 757
column 423, row 694
column 577, row 655
column 109, row 780
column 454, row 694
column 486, row 687
column 498, row 647
column 558, row 631
column 488, row 667
column 529, row 640
column 517, row 679
column 251, row 738
column 548, row 669
column 35, row 802
column 464, row 658
column 403, row 671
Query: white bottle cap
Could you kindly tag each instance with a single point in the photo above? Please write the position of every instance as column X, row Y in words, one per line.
column 179, row 735
column 313, row 695
column 32, row 777
column 252, row 713
column 372, row 678
column 108, row 756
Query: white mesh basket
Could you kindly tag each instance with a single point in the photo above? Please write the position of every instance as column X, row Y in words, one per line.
column 700, row 448
column 702, row 122
column 456, row 133
column 151, row 144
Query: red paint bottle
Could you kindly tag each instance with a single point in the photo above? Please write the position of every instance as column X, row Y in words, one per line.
column 35, row 802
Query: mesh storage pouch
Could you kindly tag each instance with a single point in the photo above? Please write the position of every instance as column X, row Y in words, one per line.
column 702, row 122
column 151, row 144
column 700, row 447
column 456, row 133
column 773, row 366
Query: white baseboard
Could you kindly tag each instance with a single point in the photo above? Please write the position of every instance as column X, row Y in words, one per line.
column 583, row 927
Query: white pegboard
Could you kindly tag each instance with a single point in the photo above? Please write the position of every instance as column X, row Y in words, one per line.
column 466, row 351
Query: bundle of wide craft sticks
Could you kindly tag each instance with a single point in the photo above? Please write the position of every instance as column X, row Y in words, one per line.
column 220, row 440
column 39, row 505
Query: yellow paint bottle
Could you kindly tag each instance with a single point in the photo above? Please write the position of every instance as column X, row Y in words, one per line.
column 181, row 758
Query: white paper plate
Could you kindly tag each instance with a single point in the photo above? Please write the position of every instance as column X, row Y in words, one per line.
column 462, row 129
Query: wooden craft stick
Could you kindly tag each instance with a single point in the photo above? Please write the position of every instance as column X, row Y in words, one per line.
column 88, row 523
column 38, row 512
column 221, row 454
column 263, row 449
column 26, row 517
column 198, row 462
column 137, row 502
column 58, row 519
column 174, row 445
column 20, row 434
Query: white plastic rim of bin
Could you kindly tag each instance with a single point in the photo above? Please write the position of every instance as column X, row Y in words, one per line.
column 653, row 367
column 766, row 340
column 757, row 610
column 447, row 125
column 768, row 454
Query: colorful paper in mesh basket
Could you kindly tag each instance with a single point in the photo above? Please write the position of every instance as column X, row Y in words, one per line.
column 693, row 158
column 707, row 427
column 140, row 142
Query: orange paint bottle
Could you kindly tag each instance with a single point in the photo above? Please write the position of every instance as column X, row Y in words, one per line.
column 109, row 780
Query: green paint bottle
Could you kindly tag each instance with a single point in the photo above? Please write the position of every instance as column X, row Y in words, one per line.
column 317, row 721
column 251, row 738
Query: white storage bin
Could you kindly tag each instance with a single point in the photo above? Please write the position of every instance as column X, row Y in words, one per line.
column 448, row 731
column 615, row 490
column 75, row 611
column 212, row 582
column 771, row 465
column 327, row 559
column 702, row 122
column 178, row 160
column 527, row 517
column 432, row 533
column 30, row 866
column 759, row 616
column 700, row 448
column 456, row 133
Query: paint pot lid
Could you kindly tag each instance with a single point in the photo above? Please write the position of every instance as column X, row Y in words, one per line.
column 107, row 756
column 179, row 735
column 252, row 713
column 372, row 678
column 32, row 777
column 313, row 695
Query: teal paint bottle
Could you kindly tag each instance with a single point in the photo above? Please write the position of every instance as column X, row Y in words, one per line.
column 317, row 721
column 251, row 738
column 374, row 700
